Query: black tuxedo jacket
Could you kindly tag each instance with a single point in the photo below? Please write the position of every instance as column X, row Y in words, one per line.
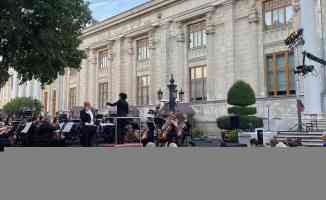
column 85, row 117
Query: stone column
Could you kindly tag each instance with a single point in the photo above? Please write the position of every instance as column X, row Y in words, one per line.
column 229, row 45
column 111, row 70
column 180, row 70
column 116, row 68
column 128, row 74
column 166, row 51
column 258, row 82
column 91, row 80
column 157, row 57
column 313, row 85
column 83, row 77
column 211, row 56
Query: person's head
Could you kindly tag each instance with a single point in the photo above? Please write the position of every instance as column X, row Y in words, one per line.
column 34, row 118
column 273, row 142
column 87, row 105
column 55, row 120
column 123, row 96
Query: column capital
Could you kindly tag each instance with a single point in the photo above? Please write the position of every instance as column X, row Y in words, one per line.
column 180, row 35
column 130, row 45
column 296, row 5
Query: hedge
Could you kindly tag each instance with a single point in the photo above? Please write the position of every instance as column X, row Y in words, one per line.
column 246, row 122
column 242, row 110
column 241, row 94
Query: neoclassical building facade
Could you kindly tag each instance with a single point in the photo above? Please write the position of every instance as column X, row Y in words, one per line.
column 206, row 44
column 13, row 89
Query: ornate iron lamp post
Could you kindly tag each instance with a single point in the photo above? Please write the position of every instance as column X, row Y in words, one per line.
column 172, row 94
column 160, row 95
column 181, row 95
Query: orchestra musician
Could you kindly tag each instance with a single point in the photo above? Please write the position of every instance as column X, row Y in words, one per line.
column 88, row 128
column 173, row 129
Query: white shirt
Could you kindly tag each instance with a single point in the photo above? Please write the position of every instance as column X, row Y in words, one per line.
column 281, row 145
column 92, row 117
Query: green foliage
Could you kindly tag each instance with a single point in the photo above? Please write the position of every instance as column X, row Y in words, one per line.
column 246, row 122
column 198, row 133
column 237, row 110
column 241, row 94
column 40, row 38
column 231, row 136
column 15, row 106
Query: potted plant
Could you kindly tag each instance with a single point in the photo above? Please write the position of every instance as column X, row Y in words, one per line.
column 241, row 98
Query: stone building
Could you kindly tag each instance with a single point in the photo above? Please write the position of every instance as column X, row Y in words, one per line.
column 13, row 89
column 206, row 44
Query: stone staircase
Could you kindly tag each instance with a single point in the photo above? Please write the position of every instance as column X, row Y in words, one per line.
column 313, row 139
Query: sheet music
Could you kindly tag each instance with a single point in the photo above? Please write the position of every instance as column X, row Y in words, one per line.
column 68, row 127
column 61, row 125
column 27, row 127
column 107, row 124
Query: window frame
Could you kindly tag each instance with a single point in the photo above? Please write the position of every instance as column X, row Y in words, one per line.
column 272, row 6
column 197, row 35
column 103, row 59
column 54, row 101
column 143, row 90
column 142, row 49
column 72, row 98
column 273, row 88
column 203, row 79
column 103, row 94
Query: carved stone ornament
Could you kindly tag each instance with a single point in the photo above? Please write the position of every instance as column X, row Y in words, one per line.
column 110, row 48
column 210, row 28
column 296, row 5
column 180, row 34
column 253, row 13
column 130, row 46
column 152, row 39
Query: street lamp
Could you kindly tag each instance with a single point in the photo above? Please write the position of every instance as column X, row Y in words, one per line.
column 181, row 95
column 172, row 94
column 160, row 95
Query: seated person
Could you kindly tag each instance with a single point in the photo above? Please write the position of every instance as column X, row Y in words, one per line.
column 170, row 130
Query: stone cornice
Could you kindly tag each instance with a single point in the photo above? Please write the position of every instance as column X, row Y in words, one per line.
column 150, row 7
column 130, row 14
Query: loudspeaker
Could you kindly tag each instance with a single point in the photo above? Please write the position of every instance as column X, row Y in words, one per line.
column 260, row 136
column 235, row 122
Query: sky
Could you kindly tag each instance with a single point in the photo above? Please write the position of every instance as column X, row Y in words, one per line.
column 103, row 9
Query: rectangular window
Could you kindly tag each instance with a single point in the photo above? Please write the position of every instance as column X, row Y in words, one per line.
column 280, row 74
column 143, row 49
column 143, row 90
column 278, row 14
column 54, row 102
column 198, row 83
column 72, row 98
column 103, row 95
column 103, row 59
column 45, row 101
column 197, row 35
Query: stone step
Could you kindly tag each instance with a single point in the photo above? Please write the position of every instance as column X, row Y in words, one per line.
column 312, row 144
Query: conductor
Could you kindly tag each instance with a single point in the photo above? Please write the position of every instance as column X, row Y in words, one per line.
column 122, row 111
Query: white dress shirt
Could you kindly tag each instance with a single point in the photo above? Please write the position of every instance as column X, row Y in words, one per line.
column 92, row 117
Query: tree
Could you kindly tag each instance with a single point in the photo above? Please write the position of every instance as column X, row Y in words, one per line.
column 40, row 38
column 16, row 106
column 241, row 96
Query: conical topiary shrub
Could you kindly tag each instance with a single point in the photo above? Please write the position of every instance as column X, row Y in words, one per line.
column 242, row 98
